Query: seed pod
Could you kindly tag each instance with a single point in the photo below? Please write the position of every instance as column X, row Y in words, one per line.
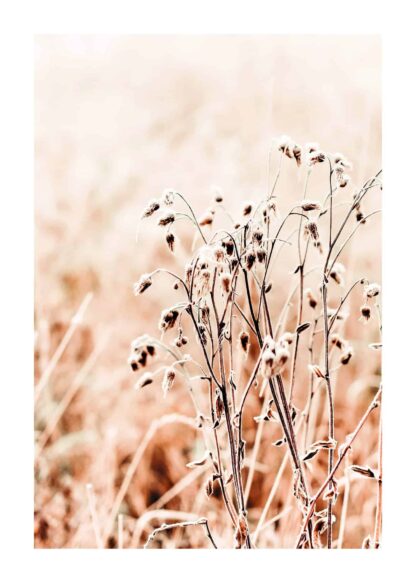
column 311, row 230
column 337, row 341
column 144, row 380
column 257, row 237
column 310, row 454
column 367, row 543
column 244, row 341
column 313, row 302
column 144, row 282
column 365, row 313
column 268, row 288
column 250, row 259
column 167, row 219
column 151, row 208
column 248, row 207
column 168, row 319
column 364, row 471
column 279, row 442
column 168, row 379
column 219, row 406
column 202, row 334
column 168, row 196
column 142, row 359
column 372, row 290
column 261, row 255
column 151, row 350
column 310, row 205
column 170, row 240
column 206, row 219
column 346, row 355
column 225, row 279
column 132, row 360
column 286, row 338
column 229, row 246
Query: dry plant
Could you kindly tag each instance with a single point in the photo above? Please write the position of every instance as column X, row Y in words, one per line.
column 256, row 347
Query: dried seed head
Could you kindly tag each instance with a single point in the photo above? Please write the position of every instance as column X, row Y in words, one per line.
column 219, row 406
column 144, row 282
column 250, row 259
column 207, row 218
column 168, row 379
column 316, row 370
column 144, row 380
column 247, row 208
column 341, row 160
column 311, row 147
column 132, row 361
column 151, row 208
column 364, row 471
column 337, row 341
column 336, row 273
column 202, row 334
column 311, row 230
column 310, row 205
column 261, row 255
column 365, row 313
column 151, row 350
column 282, row 356
column 170, row 240
column 257, row 236
column 219, row 254
column 367, row 543
column 268, row 287
column 297, row 153
column 168, row 196
column 188, row 273
column 346, row 355
column 244, row 341
column 315, row 157
column 286, row 338
column 313, row 302
column 204, row 282
column 267, row 364
column 168, row 319
column 290, row 149
column 225, row 279
column 359, row 215
column 229, row 246
column 166, row 219
column 372, row 290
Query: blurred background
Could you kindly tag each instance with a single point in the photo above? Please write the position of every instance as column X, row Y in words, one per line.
column 117, row 120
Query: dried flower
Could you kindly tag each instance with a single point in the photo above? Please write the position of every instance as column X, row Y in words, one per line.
column 346, row 355
column 244, row 341
column 313, row 302
column 311, row 230
column 337, row 341
column 144, row 380
column 168, row 379
column 315, row 157
column 207, row 218
column 151, row 208
column 225, row 279
column 166, row 219
column 372, row 290
column 170, row 240
column 168, row 196
column 286, row 338
column 257, row 237
column 247, row 208
column 268, row 287
column 261, row 255
column 168, row 319
column 250, row 259
column 144, row 282
column 365, row 313
column 336, row 273
column 310, row 205
column 209, row 487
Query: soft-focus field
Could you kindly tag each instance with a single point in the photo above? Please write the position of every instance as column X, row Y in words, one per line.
column 118, row 120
